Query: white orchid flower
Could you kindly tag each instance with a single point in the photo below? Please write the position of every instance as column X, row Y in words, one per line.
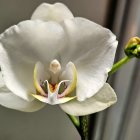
column 56, row 58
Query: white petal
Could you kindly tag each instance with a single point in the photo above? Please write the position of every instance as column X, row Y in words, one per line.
column 92, row 49
column 56, row 12
column 1, row 80
column 100, row 101
column 22, row 46
column 9, row 100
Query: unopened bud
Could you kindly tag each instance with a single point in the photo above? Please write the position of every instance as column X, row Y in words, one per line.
column 132, row 48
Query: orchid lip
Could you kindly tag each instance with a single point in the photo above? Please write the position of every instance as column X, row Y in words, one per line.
column 55, row 90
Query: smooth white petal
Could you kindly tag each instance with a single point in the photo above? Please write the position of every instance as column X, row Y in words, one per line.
column 92, row 49
column 22, row 46
column 55, row 12
column 100, row 101
column 9, row 100
column 1, row 80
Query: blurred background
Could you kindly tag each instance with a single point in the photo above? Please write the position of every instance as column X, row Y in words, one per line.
column 120, row 122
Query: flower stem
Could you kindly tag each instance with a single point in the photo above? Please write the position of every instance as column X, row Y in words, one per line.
column 84, row 127
column 117, row 65
column 75, row 122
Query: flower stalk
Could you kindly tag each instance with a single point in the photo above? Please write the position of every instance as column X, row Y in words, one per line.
column 75, row 122
column 84, row 127
column 120, row 63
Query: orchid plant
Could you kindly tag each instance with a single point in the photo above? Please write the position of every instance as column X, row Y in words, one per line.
column 58, row 59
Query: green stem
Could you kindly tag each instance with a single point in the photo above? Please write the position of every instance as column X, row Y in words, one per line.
column 84, row 127
column 75, row 122
column 117, row 65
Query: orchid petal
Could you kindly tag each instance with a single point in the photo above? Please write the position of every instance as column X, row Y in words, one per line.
column 2, row 84
column 9, row 100
column 92, row 49
column 22, row 46
column 12, row 101
column 100, row 101
column 48, row 12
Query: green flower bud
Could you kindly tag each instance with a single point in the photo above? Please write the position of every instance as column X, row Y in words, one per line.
column 132, row 48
